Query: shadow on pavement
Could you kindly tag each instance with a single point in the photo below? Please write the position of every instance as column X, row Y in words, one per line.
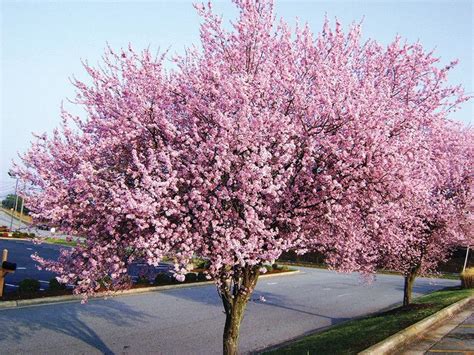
column 208, row 295
column 70, row 319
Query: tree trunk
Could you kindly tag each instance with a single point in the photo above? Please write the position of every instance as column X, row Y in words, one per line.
column 235, row 293
column 408, row 287
column 232, row 327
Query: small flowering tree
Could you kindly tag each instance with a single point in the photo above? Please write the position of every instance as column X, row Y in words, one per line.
column 437, row 218
column 261, row 141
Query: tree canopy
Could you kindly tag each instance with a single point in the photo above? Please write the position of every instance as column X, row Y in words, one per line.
column 264, row 139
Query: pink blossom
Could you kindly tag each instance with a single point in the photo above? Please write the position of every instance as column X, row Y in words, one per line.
column 261, row 141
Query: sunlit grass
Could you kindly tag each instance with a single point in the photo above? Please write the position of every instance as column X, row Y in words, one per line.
column 354, row 336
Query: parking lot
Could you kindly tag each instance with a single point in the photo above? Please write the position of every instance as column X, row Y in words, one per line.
column 20, row 252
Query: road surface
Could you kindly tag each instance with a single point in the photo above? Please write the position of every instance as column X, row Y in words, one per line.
column 190, row 320
column 5, row 220
column 20, row 251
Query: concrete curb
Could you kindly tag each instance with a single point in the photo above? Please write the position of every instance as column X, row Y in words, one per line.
column 11, row 238
column 31, row 240
column 134, row 291
column 405, row 336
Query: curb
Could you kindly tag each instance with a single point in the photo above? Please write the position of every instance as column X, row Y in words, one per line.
column 134, row 291
column 403, row 337
column 11, row 238
column 31, row 240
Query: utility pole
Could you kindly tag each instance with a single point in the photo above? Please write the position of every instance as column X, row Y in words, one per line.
column 16, row 202
column 21, row 210
column 465, row 260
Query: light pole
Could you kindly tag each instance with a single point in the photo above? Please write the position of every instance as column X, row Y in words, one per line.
column 16, row 201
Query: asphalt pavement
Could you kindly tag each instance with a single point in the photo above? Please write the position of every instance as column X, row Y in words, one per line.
column 191, row 320
column 20, row 251
column 5, row 220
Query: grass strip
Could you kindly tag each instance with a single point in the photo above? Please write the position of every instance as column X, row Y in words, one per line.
column 440, row 275
column 59, row 241
column 356, row 335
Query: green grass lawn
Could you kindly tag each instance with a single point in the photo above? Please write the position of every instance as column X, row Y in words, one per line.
column 356, row 335
column 59, row 241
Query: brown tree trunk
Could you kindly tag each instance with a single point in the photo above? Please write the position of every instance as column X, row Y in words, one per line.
column 233, row 320
column 235, row 293
column 408, row 287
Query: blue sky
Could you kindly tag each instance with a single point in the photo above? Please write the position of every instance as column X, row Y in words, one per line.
column 43, row 42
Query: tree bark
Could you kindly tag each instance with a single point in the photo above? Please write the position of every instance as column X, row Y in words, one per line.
column 235, row 293
column 408, row 287
column 233, row 320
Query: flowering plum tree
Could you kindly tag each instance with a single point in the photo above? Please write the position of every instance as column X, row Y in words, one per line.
column 436, row 219
column 262, row 140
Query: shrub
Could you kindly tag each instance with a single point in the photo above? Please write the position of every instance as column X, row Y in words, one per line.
column 280, row 267
column 29, row 285
column 201, row 264
column 268, row 267
column 55, row 285
column 201, row 277
column 105, row 282
column 163, row 279
column 32, row 235
column 190, row 277
column 5, row 234
column 143, row 280
column 467, row 278
column 20, row 235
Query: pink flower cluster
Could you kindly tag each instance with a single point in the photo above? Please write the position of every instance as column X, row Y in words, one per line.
column 262, row 140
